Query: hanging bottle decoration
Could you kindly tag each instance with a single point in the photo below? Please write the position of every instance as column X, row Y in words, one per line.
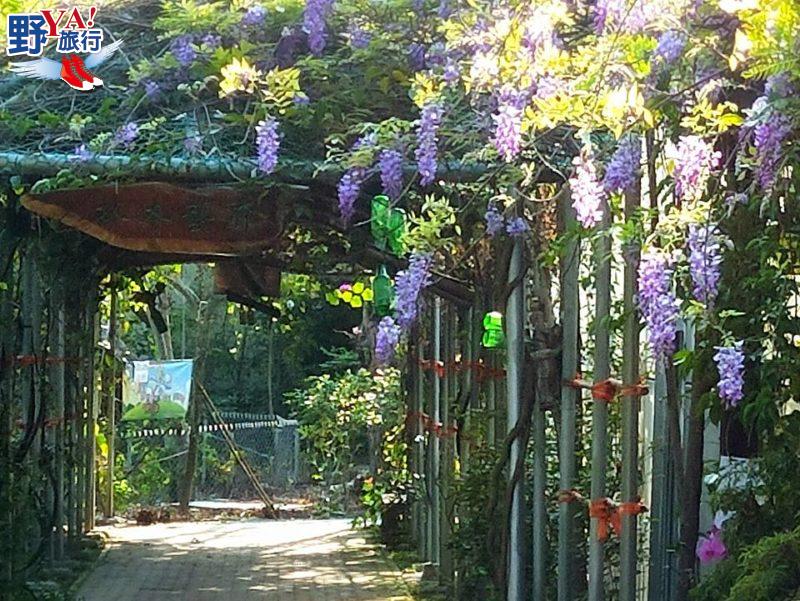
column 354, row 295
column 388, row 225
column 493, row 336
column 383, row 292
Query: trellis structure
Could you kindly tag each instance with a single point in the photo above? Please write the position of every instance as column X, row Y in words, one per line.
column 55, row 373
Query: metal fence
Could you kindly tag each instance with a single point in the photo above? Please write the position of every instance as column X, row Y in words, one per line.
column 271, row 445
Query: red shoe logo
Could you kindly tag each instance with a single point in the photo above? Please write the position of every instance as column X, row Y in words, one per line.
column 72, row 77
column 81, row 71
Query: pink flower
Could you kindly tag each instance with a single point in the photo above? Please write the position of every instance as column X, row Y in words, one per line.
column 711, row 548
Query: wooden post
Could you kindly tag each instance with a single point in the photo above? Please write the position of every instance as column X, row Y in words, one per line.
column 602, row 371
column 570, row 312
column 515, row 336
column 58, row 373
column 630, row 410
column 111, row 404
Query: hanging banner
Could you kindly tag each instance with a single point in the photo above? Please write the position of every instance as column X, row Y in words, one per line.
column 156, row 389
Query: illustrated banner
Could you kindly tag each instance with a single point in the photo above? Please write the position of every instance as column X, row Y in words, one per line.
column 156, row 389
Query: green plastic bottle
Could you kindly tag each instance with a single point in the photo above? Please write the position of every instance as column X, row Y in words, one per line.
column 493, row 336
column 383, row 292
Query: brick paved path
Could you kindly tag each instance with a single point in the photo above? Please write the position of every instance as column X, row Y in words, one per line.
column 299, row 560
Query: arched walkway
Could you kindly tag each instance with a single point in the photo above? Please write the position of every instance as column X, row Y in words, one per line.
column 242, row 560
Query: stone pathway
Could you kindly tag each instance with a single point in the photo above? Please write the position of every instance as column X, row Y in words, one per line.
column 302, row 560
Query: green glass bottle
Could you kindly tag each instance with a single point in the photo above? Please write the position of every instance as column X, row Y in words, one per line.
column 493, row 336
column 383, row 292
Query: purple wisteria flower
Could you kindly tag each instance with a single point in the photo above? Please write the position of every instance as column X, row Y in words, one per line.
column 315, row 24
column 657, row 303
column 183, row 50
column 705, row 261
column 416, row 56
column 390, row 162
column 268, row 142
column 386, row 340
column 736, row 198
column 627, row 16
column 82, row 154
column 549, row 86
column 778, row 86
column 348, row 190
column 495, row 222
column 254, row 16
column 587, row 192
column 452, row 71
column 517, row 226
column 127, row 134
column 768, row 139
column 730, row 365
column 152, row 89
column 710, row 547
column 358, row 36
column 669, row 48
column 211, row 41
column 508, row 124
column 622, row 170
column 427, row 142
column 409, row 283
column 695, row 161
column 193, row 144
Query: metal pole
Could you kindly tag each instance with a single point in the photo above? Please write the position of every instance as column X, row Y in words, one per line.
column 569, row 397
column 515, row 335
column 491, row 400
column 539, row 508
column 111, row 407
column 433, row 487
column 92, row 319
column 60, row 428
column 446, row 570
column 630, row 411
column 602, row 371
column 419, row 434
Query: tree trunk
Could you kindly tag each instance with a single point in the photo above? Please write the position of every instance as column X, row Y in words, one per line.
column 205, row 324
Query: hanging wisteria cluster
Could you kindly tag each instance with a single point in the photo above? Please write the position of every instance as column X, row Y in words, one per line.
column 315, row 24
column 387, row 337
column 408, row 286
column 427, row 142
column 587, row 192
column 657, row 303
column 622, row 170
column 730, row 365
column 507, row 119
column 349, row 189
column 390, row 163
column 769, row 138
column 705, row 261
column 268, row 141
column 695, row 162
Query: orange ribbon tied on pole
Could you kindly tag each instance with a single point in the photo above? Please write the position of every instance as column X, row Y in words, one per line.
column 604, row 510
